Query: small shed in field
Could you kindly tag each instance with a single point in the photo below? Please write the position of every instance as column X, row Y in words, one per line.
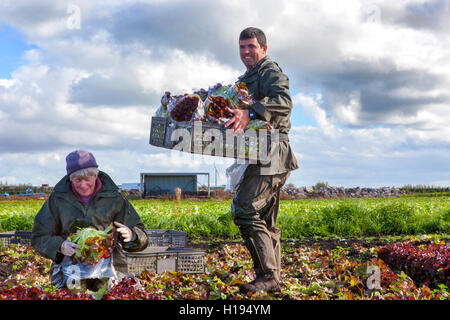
column 160, row 183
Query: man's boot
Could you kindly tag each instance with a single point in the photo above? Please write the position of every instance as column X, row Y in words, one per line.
column 267, row 283
column 264, row 262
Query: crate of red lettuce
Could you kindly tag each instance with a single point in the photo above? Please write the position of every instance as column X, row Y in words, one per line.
column 194, row 123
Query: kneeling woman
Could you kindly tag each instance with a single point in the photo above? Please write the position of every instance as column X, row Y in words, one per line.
column 86, row 197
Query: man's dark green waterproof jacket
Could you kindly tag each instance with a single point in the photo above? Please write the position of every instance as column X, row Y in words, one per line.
column 63, row 211
column 270, row 87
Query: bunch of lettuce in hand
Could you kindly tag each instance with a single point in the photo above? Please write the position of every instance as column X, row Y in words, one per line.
column 93, row 244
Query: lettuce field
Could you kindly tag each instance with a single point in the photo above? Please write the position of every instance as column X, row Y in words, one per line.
column 296, row 218
column 332, row 249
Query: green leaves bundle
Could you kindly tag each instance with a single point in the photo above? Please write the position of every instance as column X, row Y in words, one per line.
column 94, row 244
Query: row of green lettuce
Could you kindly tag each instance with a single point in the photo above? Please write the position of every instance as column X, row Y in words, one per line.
column 296, row 218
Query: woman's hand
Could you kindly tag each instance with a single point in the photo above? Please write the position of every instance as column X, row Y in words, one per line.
column 126, row 233
column 68, row 248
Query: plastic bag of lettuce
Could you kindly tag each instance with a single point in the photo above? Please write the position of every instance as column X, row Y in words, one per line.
column 94, row 244
column 93, row 260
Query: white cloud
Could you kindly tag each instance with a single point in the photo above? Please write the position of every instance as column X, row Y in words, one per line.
column 349, row 113
column 312, row 104
column 183, row 72
column 6, row 83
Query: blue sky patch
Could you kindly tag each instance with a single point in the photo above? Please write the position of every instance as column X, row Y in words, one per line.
column 12, row 47
column 301, row 118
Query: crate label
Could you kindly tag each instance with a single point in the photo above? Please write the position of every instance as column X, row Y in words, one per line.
column 158, row 132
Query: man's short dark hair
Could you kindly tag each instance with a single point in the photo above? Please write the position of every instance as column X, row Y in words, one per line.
column 252, row 32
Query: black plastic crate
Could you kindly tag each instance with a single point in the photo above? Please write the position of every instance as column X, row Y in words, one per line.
column 162, row 259
column 15, row 237
column 211, row 139
column 156, row 238
column 165, row 237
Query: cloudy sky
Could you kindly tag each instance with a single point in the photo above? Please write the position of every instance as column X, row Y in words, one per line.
column 369, row 79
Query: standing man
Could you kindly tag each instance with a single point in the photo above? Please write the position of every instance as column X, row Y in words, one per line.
column 256, row 203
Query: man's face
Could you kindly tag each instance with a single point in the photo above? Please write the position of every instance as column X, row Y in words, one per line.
column 84, row 186
column 251, row 52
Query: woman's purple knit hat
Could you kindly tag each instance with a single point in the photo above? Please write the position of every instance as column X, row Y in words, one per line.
column 79, row 159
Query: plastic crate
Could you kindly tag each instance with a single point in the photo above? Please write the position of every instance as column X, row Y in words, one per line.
column 211, row 139
column 162, row 259
column 156, row 238
column 166, row 238
column 15, row 237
